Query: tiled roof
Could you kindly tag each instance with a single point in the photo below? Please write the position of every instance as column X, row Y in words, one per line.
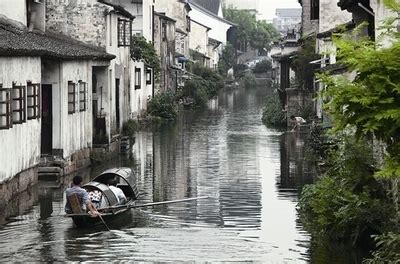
column 210, row 5
column 16, row 40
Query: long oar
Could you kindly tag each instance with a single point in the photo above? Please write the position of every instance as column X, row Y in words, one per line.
column 153, row 204
column 104, row 222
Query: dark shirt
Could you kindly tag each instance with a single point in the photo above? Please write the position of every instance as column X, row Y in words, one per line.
column 82, row 196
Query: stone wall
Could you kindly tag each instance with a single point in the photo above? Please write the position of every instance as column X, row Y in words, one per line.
column 77, row 161
column 10, row 190
column 85, row 21
column 297, row 99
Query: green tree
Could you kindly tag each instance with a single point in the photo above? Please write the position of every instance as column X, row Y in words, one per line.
column 227, row 59
column 371, row 102
column 259, row 34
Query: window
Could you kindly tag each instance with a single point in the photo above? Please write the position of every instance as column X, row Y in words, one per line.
column 188, row 24
column 82, row 96
column 33, row 97
column 164, row 31
column 148, row 76
column 314, row 9
column 5, row 108
column 18, row 104
column 71, row 98
column 124, row 32
column 138, row 79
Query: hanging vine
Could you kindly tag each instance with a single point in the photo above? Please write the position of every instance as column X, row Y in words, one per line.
column 142, row 50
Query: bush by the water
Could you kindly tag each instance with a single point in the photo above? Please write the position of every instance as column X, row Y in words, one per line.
column 263, row 66
column 130, row 127
column 348, row 204
column 162, row 106
column 248, row 80
column 272, row 113
column 214, row 81
column 203, row 84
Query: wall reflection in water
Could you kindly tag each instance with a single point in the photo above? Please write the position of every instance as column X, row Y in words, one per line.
column 296, row 170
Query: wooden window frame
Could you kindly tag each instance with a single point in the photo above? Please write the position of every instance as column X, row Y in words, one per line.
column 35, row 98
column 138, row 78
column 124, row 32
column 21, row 99
column 82, row 96
column 7, row 102
column 71, row 97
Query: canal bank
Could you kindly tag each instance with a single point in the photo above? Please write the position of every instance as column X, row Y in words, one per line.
column 252, row 175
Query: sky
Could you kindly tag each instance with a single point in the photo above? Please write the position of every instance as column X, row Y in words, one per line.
column 267, row 7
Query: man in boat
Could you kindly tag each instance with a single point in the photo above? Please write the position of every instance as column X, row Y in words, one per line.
column 112, row 184
column 82, row 196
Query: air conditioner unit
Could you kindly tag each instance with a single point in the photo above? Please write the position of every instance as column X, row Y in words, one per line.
column 180, row 65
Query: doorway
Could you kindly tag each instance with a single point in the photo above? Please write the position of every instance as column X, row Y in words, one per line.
column 117, row 115
column 47, row 120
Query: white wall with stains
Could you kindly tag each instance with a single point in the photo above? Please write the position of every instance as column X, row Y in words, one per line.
column 198, row 37
column 15, row 10
column 71, row 132
column 19, row 145
column 331, row 16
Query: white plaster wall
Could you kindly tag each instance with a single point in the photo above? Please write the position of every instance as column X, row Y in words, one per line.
column 218, row 27
column 139, row 97
column 19, row 145
column 381, row 12
column 173, row 9
column 198, row 38
column 116, row 71
column 143, row 13
column 14, row 9
column 330, row 15
column 76, row 130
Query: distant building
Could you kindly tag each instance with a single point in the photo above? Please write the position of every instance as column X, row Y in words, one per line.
column 252, row 5
column 287, row 18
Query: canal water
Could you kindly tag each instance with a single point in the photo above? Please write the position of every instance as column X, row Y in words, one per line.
column 251, row 174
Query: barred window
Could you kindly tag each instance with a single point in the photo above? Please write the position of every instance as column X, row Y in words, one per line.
column 18, row 104
column 138, row 80
column 71, row 97
column 33, row 100
column 124, row 32
column 82, row 96
column 5, row 108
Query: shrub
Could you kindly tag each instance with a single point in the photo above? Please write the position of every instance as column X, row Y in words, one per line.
column 272, row 113
column 263, row 66
column 347, row 204
column 249, row 80
column 239, row 70
column 130, row 127
column 163, row 106
column 388, row 249
column 196, row 88
column 214, row 81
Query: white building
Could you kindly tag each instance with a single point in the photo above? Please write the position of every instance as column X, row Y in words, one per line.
column 286, row 18
column 45, row 96
column 142, row 83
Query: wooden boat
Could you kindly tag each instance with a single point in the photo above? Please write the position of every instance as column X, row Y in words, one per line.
column 113, row 212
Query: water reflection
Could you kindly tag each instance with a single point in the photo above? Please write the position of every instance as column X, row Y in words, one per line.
column 251, row 174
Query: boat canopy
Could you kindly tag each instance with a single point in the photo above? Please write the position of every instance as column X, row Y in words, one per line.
column 109, row 195
column 125, row 180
